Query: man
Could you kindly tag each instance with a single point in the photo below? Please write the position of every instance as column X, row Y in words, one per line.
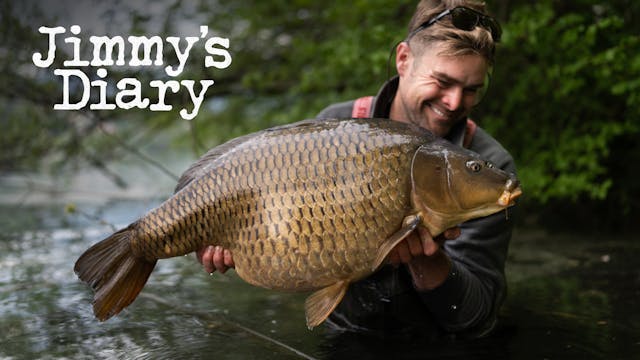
column 458, row 285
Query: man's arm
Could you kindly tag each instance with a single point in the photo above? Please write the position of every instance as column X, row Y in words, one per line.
column 337, row 111
column 474, row 288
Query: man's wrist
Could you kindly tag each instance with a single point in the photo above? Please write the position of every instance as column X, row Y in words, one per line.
column 429, row 272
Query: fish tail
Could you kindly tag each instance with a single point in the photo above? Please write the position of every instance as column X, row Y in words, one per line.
column 114, row 273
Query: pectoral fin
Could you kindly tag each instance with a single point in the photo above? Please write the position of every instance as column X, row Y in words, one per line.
column 408, row 225
column 322, row 302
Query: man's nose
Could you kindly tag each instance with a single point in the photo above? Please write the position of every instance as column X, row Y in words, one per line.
column 452, row 98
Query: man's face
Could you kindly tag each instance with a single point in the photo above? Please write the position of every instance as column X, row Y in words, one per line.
column 436, row 91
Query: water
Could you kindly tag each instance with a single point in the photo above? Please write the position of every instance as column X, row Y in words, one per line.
column 569, row 297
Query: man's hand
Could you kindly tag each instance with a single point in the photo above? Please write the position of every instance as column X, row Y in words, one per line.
column 428, row 264
column 215, row 258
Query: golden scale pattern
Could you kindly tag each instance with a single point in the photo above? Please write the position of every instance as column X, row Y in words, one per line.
column 311, row 204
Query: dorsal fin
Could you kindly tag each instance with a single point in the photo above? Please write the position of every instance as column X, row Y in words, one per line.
column 199, row 167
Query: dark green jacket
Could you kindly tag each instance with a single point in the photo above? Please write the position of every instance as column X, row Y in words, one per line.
column 468, row 301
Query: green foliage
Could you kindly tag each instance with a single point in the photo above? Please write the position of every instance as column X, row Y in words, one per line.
column 292, row 59
column 564, row 98
column 311, row 54
column 565, row 90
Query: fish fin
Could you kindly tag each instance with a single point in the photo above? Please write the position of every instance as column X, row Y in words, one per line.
column 322, row 302
column 114, row 273
column 198, row 168
column 408, row 225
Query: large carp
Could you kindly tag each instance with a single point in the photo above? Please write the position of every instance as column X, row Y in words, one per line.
column 313, row 205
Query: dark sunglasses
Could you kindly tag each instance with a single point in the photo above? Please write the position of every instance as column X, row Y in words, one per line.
column 466, row 19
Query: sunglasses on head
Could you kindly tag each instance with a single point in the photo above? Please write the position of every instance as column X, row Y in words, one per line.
column 466, row 19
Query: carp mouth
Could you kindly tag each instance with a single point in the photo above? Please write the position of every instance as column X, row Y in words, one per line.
column 510, row 194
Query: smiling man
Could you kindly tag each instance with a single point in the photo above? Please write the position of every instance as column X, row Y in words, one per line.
column 454, row 283
column 436, row 91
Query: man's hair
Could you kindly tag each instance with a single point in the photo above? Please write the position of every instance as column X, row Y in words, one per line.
column 454, row 41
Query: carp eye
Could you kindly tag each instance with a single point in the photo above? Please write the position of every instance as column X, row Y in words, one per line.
column 474, row 165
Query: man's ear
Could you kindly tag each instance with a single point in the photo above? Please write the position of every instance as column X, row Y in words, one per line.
column 403, row 58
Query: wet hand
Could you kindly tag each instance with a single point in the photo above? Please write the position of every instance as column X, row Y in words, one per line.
column 420, row 243
column 215, row 258
column 427, row 263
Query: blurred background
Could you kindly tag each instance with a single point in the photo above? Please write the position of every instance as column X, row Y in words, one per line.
column 564, row 99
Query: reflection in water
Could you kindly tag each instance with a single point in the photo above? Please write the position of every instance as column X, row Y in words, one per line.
column 568, row 298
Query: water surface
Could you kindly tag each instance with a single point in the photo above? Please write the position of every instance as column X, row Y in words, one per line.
column 569, row 296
